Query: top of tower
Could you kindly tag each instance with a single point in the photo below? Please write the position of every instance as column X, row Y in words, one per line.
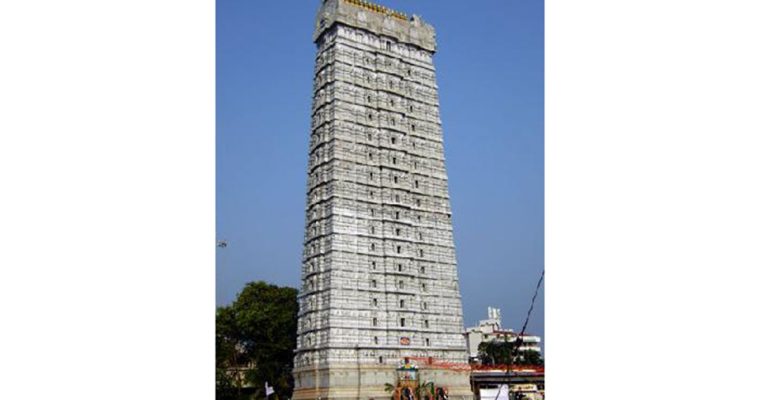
column 377, row 19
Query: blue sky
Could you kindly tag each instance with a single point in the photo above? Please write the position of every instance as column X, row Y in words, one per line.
column 490, row 68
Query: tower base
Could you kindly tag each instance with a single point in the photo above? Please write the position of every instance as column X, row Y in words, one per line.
column 368, row 382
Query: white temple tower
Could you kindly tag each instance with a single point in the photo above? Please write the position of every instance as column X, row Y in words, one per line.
column 379, row 271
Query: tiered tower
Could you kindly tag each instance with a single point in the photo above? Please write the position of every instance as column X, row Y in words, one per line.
column 379, row 271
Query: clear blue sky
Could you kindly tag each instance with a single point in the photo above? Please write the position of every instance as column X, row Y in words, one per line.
column 490, row 69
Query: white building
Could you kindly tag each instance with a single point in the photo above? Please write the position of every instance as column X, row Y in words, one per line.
column 490, row 329
column 379, row 272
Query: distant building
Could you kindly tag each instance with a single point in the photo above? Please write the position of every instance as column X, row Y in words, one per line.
column 490, row 329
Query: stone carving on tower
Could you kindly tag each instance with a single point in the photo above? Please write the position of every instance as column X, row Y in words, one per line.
column 379, row 274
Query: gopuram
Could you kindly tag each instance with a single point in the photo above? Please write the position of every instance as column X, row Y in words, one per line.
column 380, row 308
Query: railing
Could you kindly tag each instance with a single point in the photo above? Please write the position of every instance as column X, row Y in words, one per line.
column 378, row 9
column 511, row 368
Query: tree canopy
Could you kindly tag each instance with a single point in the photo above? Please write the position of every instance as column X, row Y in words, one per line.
column 255, row 340
column 501, row 352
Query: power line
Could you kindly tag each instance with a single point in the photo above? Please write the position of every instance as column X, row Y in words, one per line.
column 519, row 340
column 530, row 310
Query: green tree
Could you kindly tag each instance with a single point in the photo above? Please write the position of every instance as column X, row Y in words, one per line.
column 531, row 357
column 231, row 359
column 499, row 352
column 255, row 339
column 495, row 352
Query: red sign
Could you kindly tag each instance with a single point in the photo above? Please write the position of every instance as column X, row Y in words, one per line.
column 405, row 341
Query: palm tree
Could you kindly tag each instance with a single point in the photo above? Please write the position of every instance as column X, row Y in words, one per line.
column 390, row 388
column 425, row 388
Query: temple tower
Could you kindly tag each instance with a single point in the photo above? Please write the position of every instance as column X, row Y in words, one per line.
column 379, row 271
